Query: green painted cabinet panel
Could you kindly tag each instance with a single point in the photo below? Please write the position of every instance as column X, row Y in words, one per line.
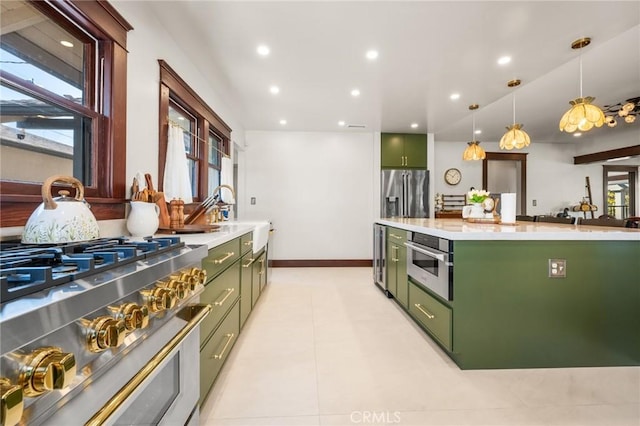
column 415, row 151
column 396, row 262
column 510, row 314
column 402, row 281
column 392, row 146
column 221, row 257
column 215, row 352
column 221, row 293
column 246, row 276
column 433, row 315
column 403, row 150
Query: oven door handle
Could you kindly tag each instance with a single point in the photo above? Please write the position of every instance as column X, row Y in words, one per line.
column 440, row 256
column 194, row 314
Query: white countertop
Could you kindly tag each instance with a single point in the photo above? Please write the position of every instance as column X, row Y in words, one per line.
column 458, row 229
column 227, row 232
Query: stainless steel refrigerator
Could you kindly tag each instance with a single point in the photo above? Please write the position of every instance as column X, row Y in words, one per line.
column 405, row 193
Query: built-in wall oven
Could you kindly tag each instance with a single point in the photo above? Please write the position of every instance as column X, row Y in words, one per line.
column 430, row 263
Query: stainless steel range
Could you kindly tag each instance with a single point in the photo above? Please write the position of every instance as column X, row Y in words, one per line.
column 102, row 332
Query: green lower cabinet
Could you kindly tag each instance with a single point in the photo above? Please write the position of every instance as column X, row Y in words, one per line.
column 246, row 276
column 221, row 293
column 396, row 262
column 216, row 350
column 433, row 315
column 255, row 284
column 402, row 280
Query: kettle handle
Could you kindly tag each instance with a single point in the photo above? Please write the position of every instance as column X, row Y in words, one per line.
column 49, row 204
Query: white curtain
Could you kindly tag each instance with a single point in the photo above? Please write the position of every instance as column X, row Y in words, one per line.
column 226, row 178
column 177, row 181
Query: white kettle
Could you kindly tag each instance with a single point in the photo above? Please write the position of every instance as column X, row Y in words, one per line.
column 62, row 219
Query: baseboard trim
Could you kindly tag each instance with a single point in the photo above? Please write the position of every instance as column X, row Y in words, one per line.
column 331, row 263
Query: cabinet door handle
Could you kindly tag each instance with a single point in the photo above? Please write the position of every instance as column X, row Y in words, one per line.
column 424, row 311
column 248, row 243
column 224, row 299
column 229, row 337
column 393, row 258
column 223, row 258
column 395, row 236
column 246, row 265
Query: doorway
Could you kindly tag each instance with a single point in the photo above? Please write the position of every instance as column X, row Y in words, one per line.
column 506, row 172
column 619, row 190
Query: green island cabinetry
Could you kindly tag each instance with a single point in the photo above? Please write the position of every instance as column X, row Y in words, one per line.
column 396, row 262
column 403, row 151
column 229, row 291
column 509, row 311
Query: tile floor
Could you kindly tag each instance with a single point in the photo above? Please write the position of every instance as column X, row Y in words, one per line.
column 324, row 346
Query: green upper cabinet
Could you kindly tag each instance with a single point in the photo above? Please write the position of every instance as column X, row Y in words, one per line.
column 403, row 150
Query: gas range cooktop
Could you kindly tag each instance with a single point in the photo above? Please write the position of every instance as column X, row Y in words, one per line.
column 29, row 268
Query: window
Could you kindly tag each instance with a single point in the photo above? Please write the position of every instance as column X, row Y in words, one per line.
column 180, row 105
column 62, row 86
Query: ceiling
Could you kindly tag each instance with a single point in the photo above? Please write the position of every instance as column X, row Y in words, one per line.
column 427, row 51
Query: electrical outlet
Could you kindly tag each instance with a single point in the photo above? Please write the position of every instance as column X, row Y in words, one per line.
column 535, row 203
column 253, row 200
column 557, row 268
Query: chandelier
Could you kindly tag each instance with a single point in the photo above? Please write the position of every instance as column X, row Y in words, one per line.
column 628, row 111
column 473, row 151
column 582, row 115
column 515, row 136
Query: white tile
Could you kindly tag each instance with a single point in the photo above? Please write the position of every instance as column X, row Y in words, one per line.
column 325, row 346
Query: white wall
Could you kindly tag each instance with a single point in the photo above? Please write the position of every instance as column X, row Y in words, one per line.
column 146, row 43
column 552, row 178
column 316, row 188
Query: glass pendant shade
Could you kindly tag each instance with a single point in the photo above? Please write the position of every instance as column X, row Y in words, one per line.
column 582, row 116
column 515, row 138
column 630, row 119
column 473, row 152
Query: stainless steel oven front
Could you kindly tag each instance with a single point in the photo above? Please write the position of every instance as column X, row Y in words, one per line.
column 430, row 263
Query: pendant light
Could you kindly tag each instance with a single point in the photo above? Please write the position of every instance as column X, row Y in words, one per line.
column 582, row 115
column 515, row 136
column 473, row 151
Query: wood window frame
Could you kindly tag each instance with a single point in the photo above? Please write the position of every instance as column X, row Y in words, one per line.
column 174, row 88
column 107, row 193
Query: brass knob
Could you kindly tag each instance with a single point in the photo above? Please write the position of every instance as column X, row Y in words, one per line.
column 192, row 281
column 105, row 332
column 12, row 403
column 159, row 299
column 133, row 315
column 180, row 287
column 47, row 369
column 199, row 274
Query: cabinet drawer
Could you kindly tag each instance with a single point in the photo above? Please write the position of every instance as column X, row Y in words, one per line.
column 221, row 293
column 217, row 349
column 396, row 236
column 432, row 314
column 246, row 243
column 221, row 257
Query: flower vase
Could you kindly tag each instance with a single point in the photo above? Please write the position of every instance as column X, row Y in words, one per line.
column 477, row 211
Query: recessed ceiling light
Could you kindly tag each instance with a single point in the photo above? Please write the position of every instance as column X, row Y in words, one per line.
column 372, row 54
column 504, row 60
column 414, row 125
column 341, row 123
column 478, row 132
column 263, row 50
column 355, row 92
column 66, row 43
column 274, row 89
column 577, row 135
column 454, row 96
column 283, row 122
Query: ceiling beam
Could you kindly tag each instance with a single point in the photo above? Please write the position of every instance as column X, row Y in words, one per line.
column 607, row 155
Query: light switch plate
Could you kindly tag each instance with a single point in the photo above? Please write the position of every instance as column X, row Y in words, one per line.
column 253, row 200
column 557, row 268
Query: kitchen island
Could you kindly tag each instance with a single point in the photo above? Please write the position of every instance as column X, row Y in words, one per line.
column 506, row 308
